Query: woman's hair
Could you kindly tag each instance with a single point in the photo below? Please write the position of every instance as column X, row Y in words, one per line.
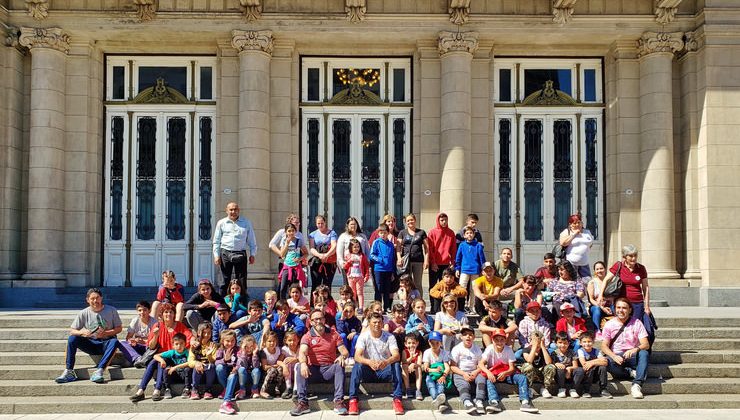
column 166, row 307
column 411, row 215
column 357, row 222
column 599, row 262
column 290, row 217
column 204, row 326
column 346, row 290
column 572, row 273
column 531, row 280
column 573, row 218
column 353, row 242
column 449, row 297
column 629, row 250
column 228, row 333
column 320, row 216
column 406, row 278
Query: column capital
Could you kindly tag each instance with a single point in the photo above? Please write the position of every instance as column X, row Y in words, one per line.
column 252, row 41
column 54, row 38
column 693, row 41
column 658, row 42
column 448, row 42
column 12, row 35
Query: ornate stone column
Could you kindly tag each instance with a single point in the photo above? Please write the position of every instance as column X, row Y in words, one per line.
column 456, row 51
column 45, row 252
column 657, row 209
column 255, row 53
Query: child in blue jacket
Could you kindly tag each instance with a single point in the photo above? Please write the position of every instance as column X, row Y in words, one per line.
column 383, row 258
column 469, row 260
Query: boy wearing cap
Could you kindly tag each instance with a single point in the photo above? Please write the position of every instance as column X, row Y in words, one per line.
column 448, row 284
column 436, row 363
column 497, row 364
column 570, row 324
column 533, row 323
column 494, row 321
column 464, row 359
column 221, row 321
column 485, row 287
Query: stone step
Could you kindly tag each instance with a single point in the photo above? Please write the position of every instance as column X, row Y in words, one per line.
column 121, row 404
column 698, row 345
column 702, row 333
column 694, row 370
column 698, row 323
column 688, row 356
column 36, row 334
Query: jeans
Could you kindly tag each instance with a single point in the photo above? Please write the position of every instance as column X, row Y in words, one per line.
column 149, row 373
column 107, row 347
column 363, row 373
column 592, row 375
column 463, row 387
column 131, row 352
column 209, row 372
column 228, row 381
column 583, row 270
column 383, row 288
column 194, row 318
column 639, row 362
column 596, row 315
column 333, row 372
column 516, row 379
column 255, row 374
column 165, row 378
column 435, row 388
column 638, row 312
column 350, row 344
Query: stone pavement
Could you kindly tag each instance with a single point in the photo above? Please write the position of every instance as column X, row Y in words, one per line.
column 675, row 414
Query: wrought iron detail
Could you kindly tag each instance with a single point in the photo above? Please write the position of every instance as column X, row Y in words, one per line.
column 592, row 178
column 504, row 180
column 562, row 174
column 146, row 171
column 370, row 183
column 205, row 179
column 533, row 183
column 176, row 128
column 341, row 172
column 312, row 175
column 399, row 165
column 116, row 179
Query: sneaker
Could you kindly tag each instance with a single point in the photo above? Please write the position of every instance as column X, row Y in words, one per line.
column 68, row 375
column 221, row 395
column 186, row 393
column 633, row 373
column 226, row 408
column 398, row 406
column 439, row 401
column 300, row 409
column 240, row 395
column 443, row 408
column 419, row 396
column 409, row 394
column 636, row 391
column 573, row 393
column 527, row 407
column 97, row 377
column 561, row 393
column 470, row 311
column 194, row 395
column 168, row 393
column 255, row 394
column 606, row 394
column 287, row 394
column 354, row 408
column 139, row 396
column 264, row 394
column 207, row 396
column 479, row 407
column 157, row 395
column 140, row 363
column 545, row 393
column 469, row 407
column 586, row 395
column 493, row 407
column 339, row 408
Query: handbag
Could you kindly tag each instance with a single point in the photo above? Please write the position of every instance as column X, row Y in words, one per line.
column 614, row 288
column 559, row 251
column 143, row 360
column 404, row 267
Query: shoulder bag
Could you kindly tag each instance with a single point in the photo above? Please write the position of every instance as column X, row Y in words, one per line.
column 614, row 288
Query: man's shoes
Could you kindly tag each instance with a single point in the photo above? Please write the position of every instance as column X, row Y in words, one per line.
column 606, row 394
column 68, row 375
column 636, row 391
column 573, row 393
column 339, row 408
column 97, row 376
column 632, row 372
column 227, row 407
column 545, row 393
column 139, row 396
column 300, row 409
column 527, row 407
column 586, row 395
column 561, row 393
column 469, row 407
column 354, row 407
column 479, row 407
column 398, row 406
column 493, row 407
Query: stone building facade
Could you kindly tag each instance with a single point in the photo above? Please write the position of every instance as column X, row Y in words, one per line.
column 127, row 125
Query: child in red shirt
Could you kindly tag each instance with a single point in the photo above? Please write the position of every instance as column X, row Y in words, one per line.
column 169, row 292
column 571, row 324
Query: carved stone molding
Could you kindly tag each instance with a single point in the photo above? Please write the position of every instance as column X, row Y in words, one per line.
column 657, row 42
column 146, row 9
column 356, row 10
column 11, row 38
column 459, row 11
column 665, row 10
column 252, row 41
column 457, row 41
column 54, row 38
column 252, row 9
column 38, row 9
column 562, row 10
column 692, row 42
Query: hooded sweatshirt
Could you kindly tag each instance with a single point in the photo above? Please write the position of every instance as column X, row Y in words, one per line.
column 442, row 244
column 470, row 257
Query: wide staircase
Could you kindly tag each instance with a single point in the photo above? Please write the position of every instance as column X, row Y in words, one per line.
column 695, row 364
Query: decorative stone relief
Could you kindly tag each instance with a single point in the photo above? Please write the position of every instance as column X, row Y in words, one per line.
column 11, row 37
column 457, row 41
column 562, row 10
column 54, row 38
column 459, row 11
column 691, row 42
column 252, row 9
column 356, row 10
column 655, row 42
column 38, row 9
column 252, row 40
column 549, row 96
column 146, row 9
column 665, row 10
column 160, row 94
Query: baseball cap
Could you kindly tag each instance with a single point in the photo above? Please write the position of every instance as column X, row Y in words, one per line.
column 498, row 333
column 566, row 306
column 435, row 335
column 223, row 307
column 466, row 330
column 533, row 305
column 487, row 264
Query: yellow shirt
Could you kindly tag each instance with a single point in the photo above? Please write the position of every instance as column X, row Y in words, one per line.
column 487, row 287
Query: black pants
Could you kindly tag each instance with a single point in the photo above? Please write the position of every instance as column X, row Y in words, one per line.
column 436, row 275
column 322, row 274
column 596, row 373
column 239, row 270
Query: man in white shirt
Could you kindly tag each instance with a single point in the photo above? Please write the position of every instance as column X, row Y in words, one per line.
column 231, row 237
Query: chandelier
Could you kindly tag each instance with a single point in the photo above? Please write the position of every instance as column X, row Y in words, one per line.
column 362, row 77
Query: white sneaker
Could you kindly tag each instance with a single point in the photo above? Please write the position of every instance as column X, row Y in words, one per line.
column 636, row 391
column 574, row 394
column 586, row 395
column 561, row 393
column 480, row 407
column 469, row 407
column 545, row 393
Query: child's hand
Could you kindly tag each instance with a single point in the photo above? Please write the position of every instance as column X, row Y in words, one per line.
column 559, row 365
column 163, row 364
column 457, row 273
column 171, row 370
column 199, row 367
column 491, row 377
column 501, row 377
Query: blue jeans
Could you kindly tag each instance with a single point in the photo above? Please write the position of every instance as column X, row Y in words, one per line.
column 209, row 372
column 596, row 315
column 583, row 270
column 516, row 379
column 106, row 347
column 253, row 378
column 164, row 378
column 363, row 373
column 227, row 380
column 435, row 388
column 151, row 369
column 383, row 288
column 639, row 362
column 350, row 344
column 638, row 312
